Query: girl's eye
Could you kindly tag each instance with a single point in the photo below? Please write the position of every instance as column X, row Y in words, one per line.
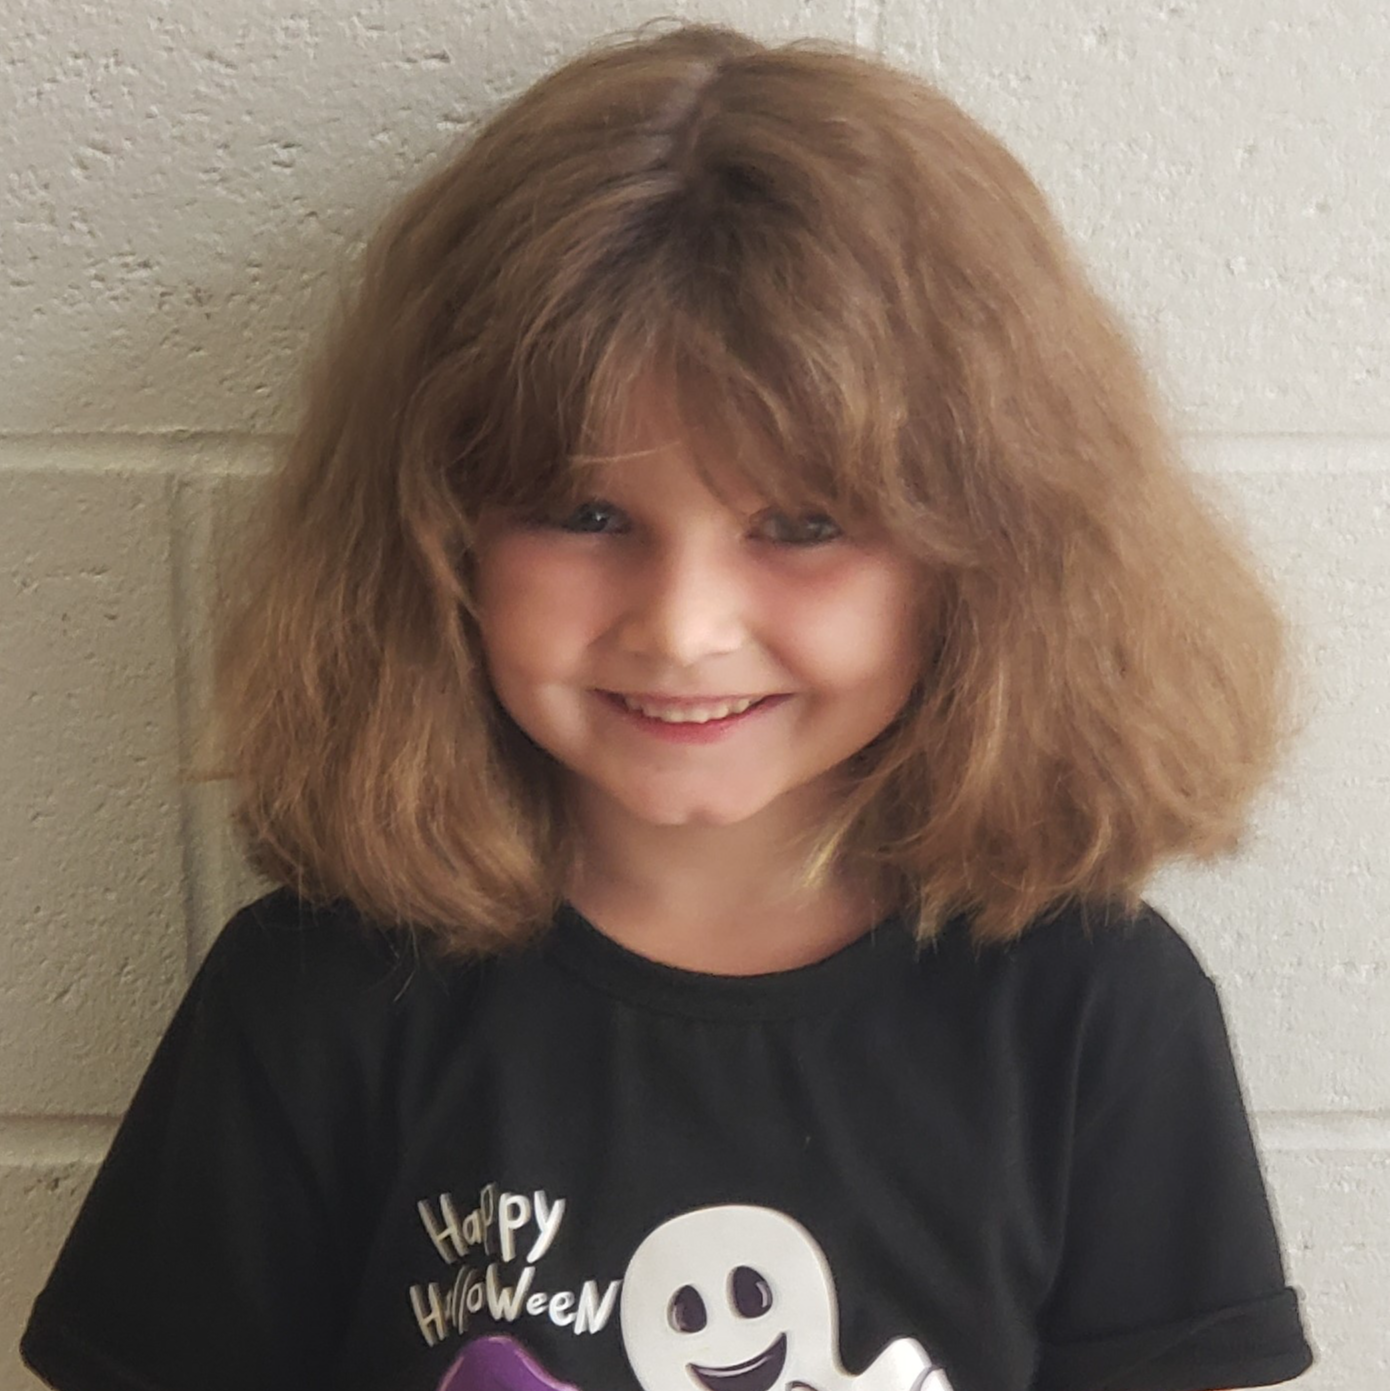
column 588, row 519
column 811, row 529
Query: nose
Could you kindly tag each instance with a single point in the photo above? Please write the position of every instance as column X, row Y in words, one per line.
column 685, row 604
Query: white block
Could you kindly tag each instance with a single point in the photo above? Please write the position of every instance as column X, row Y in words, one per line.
column 1294, row 926
column 93, row 950
column 1332, row 1209
column 1223, row 169
column 184, row 182
column 38, row 1202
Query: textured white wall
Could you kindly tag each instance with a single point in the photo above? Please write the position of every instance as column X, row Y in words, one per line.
column 181, row 181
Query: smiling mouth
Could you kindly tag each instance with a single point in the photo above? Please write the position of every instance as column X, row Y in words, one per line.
column 757, row 1374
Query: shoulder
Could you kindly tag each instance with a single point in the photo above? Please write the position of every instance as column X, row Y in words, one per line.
column 316, row 1004
column 1146, row 1014
column 1123, row 958
column 281, row 937
column 1096, row 998
column 286, row 958
column 282, row 930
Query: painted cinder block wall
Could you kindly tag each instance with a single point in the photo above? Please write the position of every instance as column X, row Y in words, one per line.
column 182, row 183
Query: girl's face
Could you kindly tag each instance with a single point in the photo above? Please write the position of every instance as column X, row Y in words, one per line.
column 657, row 594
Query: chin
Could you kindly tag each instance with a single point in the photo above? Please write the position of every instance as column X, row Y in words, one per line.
column 691, row 813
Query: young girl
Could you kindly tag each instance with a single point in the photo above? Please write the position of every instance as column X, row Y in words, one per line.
column 726, row 647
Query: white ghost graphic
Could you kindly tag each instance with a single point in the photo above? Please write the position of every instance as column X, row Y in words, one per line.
column 742, row 1299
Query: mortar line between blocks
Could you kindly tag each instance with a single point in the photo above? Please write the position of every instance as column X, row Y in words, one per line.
column 38, row 1140
column 230, row 453
column 33, row 1141
column 191, row 525
column 1295, row 1131
column 154, row 448
column 867, row 24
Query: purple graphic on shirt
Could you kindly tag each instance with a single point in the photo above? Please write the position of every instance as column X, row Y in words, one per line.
column 498, row 1364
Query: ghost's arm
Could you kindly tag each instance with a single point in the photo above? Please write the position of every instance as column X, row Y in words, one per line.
column 903, row 1366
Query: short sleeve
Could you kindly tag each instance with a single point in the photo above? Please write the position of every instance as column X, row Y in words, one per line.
column 210, row 1253
column 1170, row 1277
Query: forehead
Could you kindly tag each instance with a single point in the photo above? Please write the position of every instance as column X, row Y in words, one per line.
column 672, row 473
column 661, row 444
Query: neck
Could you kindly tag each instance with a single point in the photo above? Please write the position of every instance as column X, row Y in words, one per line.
column 721, row 899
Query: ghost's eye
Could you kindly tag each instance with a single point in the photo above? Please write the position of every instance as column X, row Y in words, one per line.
column 749, row 1292
column 686, row 1312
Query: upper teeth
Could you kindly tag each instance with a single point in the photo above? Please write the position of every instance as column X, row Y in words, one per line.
column 691, row 714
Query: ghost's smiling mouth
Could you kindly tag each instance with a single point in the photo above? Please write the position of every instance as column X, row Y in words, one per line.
column 757, row 1374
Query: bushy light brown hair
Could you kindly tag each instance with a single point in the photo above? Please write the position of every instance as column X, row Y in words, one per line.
column 855, row 295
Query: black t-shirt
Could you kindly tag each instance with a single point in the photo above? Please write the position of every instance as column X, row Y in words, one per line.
column 354, row 1166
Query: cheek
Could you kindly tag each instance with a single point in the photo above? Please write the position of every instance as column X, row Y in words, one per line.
column 534, row 613
column 857, row 628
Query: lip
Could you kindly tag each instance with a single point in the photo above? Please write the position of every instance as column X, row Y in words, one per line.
column 711, row 732
column 684, row 701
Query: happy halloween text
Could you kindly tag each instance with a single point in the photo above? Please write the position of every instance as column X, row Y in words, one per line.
column 500, row 1227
